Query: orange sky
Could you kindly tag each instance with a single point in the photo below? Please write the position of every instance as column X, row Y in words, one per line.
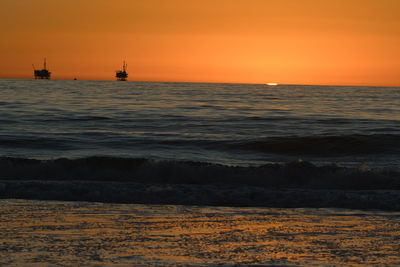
column 249, row 41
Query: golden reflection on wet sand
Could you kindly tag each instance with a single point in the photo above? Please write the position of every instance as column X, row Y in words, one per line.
column 88, row 234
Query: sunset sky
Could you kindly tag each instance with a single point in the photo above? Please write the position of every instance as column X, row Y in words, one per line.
column 247, row 41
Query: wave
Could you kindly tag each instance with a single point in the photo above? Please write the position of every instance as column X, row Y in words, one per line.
column 326, row 145
column 304, row 145
column 35, row 142
column 378, row 145
column 70, row 118
column 298, row 174
column 139, row 180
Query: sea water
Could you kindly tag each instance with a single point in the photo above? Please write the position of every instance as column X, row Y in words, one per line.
column 229, row 124
column 198, row 144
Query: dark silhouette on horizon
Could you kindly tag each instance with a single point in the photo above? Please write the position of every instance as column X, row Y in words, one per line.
column 122, row 75
column 43, row 73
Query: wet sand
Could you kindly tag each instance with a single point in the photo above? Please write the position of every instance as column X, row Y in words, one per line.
column 42, row 233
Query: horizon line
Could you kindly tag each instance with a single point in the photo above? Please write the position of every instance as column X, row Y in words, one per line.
column 255, row 83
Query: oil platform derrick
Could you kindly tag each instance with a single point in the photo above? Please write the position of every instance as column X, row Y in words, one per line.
column 43, row 73
column 122, row 75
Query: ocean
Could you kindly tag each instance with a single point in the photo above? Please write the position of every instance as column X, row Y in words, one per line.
column 102, row 173
column 200, row 143
column 229, row 124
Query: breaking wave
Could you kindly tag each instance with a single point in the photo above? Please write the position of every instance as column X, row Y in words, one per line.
column 146, row 181
column 298, row 174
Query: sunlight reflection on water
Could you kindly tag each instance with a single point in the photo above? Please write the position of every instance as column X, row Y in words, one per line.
column 80, row 233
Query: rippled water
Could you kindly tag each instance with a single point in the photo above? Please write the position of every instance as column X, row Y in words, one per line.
column 234, row 124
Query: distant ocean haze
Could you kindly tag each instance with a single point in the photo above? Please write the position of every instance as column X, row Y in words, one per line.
column 229, row 124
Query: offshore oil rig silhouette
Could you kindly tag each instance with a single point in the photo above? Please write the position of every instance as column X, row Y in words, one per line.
column 43, row 73
column 122, row 75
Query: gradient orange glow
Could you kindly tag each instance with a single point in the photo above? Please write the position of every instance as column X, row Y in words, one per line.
column 249, row 41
